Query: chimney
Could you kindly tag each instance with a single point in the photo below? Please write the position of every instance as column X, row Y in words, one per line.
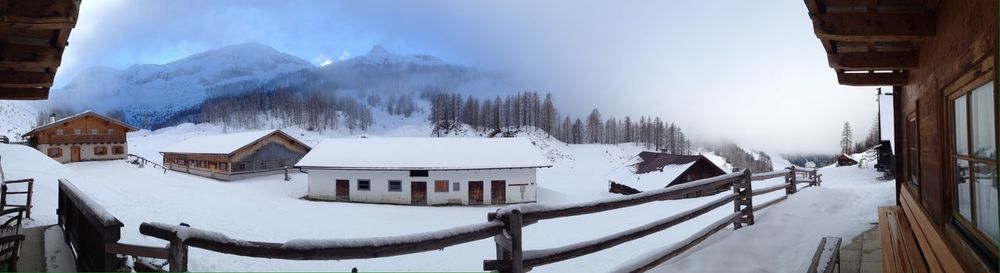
column 52, row 118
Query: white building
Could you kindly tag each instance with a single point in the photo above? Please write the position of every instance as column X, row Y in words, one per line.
column 424, row 171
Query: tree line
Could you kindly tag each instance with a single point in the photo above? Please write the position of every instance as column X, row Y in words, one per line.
column 450, row 111
column 314, row 111
column 849, row 146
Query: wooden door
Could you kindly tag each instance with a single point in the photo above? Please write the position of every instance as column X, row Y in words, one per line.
column 418, row 193
column 74, row 154
column 498, row 192
column 343, row 190
column 475, row 192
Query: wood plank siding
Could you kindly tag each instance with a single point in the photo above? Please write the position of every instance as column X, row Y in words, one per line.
column 270, row 154
column 82, row 137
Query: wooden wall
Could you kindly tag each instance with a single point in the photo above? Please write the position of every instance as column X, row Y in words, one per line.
column 85, row 123
column 961, row 53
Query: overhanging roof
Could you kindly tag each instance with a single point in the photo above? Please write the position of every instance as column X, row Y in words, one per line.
column 872, row 42
column 128, row 128
column 33, row 35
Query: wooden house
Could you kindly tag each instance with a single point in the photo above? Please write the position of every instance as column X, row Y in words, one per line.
column 235, row 156
column 940, row 57
column 424, row 171
column 845, row 160
column 652, row 171
column 33, row 35
column 81, row 137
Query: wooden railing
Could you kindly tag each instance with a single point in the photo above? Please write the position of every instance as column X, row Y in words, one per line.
column 6, row 191
column 505, row 226
column 89, row 229
column 67, row 139
column 142, row 161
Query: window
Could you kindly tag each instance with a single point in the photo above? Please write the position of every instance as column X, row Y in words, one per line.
column 55, row 152
column 224, row 166
column 912, row 151
column 419, row 173
column 241, row 166
column 395, row 185
column 179, row 161
column 455, row 186
column 364, row 185
column 974, row 159
column 59, row 132
column 77, row 131
column 93, row 131
column 111, row 131
column 100, row 150
column 441, row 186
column 118, row 149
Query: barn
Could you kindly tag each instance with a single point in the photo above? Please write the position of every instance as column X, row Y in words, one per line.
column 846, row 160
column 235, row 156
column 82, row 137
column 650, row 170
column 424, row 171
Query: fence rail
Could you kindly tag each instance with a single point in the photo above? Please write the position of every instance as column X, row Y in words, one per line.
column 142, row 161
column 505, row 226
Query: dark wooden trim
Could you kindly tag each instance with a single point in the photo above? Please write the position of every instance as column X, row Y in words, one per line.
column 896, row 78
column 870, row 27
column 24, row 93
column 874, row 60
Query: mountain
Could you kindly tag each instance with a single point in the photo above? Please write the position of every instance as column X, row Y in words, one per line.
column 155, row 95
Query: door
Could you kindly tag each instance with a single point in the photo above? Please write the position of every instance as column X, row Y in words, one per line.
column 418, row 193
column 343, row 190
column 475, row 192
column 498, row 192
column 74, row 154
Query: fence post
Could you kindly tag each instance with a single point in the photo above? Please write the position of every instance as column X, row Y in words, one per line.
column 514, row 225
column 744, row 201
column 790, row 181
column 177, row 253
column 27, row 203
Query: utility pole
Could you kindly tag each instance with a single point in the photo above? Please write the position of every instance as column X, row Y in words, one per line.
column 878, row 103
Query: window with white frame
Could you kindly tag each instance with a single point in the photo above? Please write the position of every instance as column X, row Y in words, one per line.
column 974, row 161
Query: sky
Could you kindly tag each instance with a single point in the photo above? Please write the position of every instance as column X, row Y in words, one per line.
column 747, row 71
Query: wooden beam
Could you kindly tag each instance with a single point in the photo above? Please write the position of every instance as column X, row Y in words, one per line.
column 873, row 60
column 872, row 79
column 44, row 66
column 24, row 93
column 16, row 79
column 37, row 26
column 19, row 53
column 871, row 27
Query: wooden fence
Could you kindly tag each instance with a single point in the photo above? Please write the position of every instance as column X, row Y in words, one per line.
column 142, row 161
column 6, row 191
column 505, row 227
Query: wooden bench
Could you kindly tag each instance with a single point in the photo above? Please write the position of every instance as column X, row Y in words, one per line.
column 827, row 255
column 911, row 242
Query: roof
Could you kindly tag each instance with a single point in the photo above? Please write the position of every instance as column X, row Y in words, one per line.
column 35, row 34
column 405, row 153
column 651, row 170
column 128, row 127
column 223, row 143
column 873, row 43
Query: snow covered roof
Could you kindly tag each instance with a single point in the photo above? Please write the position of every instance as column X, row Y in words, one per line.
column 404, row 153
column 221, row 144
column 658, row 179
column 81, row 114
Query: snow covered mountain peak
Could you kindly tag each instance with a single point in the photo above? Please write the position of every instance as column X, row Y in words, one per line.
column 378, row 55
column 377, row 50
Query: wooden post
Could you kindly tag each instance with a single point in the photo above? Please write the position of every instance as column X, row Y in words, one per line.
column 744, row 201
column 27, row 203
column 286, row 174
column 790, row 181
column 177, row 256
column 514, row 225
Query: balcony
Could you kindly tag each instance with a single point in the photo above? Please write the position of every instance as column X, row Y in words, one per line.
column 69, row 139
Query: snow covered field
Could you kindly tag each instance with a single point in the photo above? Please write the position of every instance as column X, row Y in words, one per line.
column 270, row 209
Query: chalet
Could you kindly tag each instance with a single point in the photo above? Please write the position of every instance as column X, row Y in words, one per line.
column 424, row 171
column 652, row 171
column 81, row 137
column 845, row 160
column 235, row 156
column 940, row 57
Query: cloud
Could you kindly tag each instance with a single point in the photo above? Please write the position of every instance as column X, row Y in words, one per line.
column 322, row 60
column 344, row 56
column 748, row 71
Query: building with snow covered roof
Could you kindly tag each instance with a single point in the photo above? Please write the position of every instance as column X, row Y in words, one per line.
column 424, row 171
column 650, row 171
column 81, row 137
column 235, row 156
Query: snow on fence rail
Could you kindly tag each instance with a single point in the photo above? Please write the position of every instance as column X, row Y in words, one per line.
column 142, row 161
column 505, row 226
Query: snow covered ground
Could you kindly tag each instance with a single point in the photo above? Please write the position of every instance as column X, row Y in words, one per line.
column 270, row 209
